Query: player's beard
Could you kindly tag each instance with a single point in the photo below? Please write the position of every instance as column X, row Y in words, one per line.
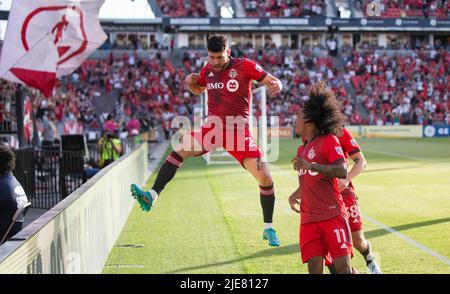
column 221, row 67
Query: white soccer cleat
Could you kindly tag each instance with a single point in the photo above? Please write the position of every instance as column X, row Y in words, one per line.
column 373, row 267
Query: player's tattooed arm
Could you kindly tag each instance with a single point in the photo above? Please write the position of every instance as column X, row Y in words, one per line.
column 336, row 170
column 274, row 85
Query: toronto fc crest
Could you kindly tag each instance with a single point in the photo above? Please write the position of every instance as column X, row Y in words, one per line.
column 233, row 73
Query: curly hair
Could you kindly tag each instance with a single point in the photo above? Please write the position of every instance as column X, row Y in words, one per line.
column 217, row 43
column 7, row 160
column 324, row 110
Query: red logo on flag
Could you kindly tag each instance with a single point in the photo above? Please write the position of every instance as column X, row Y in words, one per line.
column 58, row 31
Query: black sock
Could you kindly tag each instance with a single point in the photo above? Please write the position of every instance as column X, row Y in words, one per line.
column 267, row 196
column 332, row 269
column 367, row 254
column 167, row 171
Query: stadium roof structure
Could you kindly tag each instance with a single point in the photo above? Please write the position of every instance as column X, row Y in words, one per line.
column 5, row 5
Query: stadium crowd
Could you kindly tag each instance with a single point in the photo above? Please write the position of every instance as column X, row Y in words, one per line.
column 406, row 8
column 301, row 8
column 145, row 89
column 289, row 8
column 180, row 8
column 370, row 84
column 410, row 88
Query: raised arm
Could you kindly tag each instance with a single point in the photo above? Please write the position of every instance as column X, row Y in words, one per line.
column 274, row 85
column 192, row 85
column 359, row 166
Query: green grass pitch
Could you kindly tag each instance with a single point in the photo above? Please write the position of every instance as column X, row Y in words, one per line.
column 209, row 219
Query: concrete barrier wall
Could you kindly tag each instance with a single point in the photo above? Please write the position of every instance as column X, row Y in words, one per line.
column 77, row 235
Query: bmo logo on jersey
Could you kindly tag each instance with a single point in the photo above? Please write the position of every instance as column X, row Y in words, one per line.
column 214, row 86
column 232, row 85
column 303, row 172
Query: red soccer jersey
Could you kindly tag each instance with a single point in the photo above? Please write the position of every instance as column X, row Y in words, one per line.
column 349, row 146
column 321, row 199
column 229, row 90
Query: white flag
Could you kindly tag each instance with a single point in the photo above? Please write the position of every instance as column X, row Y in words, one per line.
column 46, row 39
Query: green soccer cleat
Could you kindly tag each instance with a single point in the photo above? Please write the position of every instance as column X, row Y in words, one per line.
column 271, row 236
column 143, row 197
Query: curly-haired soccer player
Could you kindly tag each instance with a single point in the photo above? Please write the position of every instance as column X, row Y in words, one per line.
column 320, row 162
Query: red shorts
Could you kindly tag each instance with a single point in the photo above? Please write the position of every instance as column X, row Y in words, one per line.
column 351, row 203
column 239, row 143
column 330, row 238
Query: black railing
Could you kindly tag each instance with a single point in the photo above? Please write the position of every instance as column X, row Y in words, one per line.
column 128, row 144
column 49, row 175
column 72, row 174
column 93, row 154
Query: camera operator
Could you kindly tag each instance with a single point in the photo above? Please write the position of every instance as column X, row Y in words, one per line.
column 109, row 148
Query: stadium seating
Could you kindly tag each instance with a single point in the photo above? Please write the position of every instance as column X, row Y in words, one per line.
column 408, row 8
column 371, row 85
column 178, row 8
column 290, row 8
column 380, row 81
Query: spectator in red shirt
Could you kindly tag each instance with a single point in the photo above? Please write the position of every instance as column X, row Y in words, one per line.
column 133, row 126
column 110, row 125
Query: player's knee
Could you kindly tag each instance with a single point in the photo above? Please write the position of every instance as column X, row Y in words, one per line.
column 343, row 265
column 315, row 266
column 189, row 147
column 343, row 269
column 184, row 154
column 265, row 180
column 189, row 144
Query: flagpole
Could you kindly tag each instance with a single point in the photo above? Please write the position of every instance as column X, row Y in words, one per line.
column 19, row 115
column 35, row 141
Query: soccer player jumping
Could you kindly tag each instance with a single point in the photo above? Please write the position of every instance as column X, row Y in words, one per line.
column 228, row 82
column 320, row 162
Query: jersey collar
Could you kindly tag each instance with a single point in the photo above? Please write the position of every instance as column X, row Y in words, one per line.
column 229, row 63
column 313, row 138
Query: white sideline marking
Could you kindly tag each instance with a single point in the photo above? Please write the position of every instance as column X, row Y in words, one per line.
column 125, row 265
column 408, row 240
column 400, row 155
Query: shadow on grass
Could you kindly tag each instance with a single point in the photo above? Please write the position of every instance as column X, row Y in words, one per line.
column 283, row 250
column 381, row 232
column 294, row 248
